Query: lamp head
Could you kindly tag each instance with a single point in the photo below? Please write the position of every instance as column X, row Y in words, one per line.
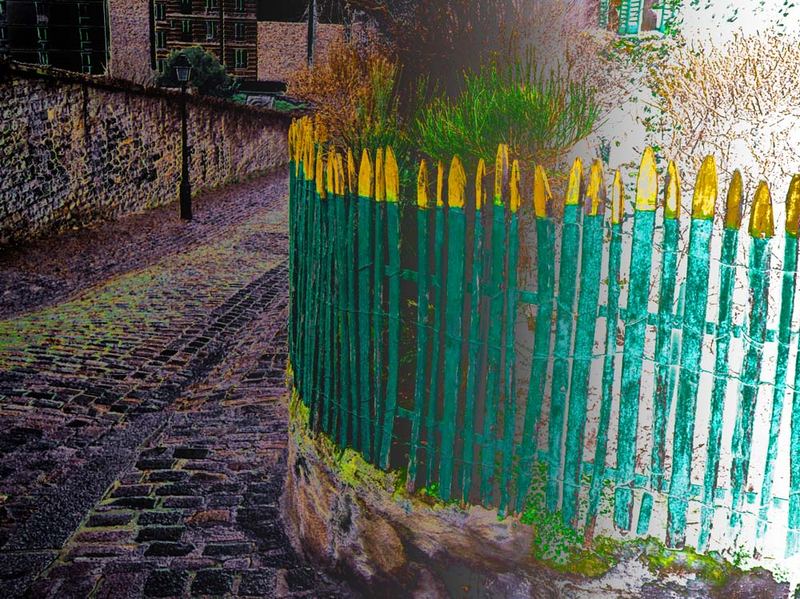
column 183, row 68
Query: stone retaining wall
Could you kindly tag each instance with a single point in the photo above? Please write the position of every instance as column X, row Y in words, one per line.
column 360, row 524
column 75, row 150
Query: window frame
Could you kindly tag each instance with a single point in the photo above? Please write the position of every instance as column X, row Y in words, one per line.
column 240, row 58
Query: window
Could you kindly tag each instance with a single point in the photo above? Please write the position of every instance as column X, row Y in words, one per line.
column 186, row 30
column 41, row 34
column 186, row 7
column 86, row 62
column 238, row 31
column 211, row 30
column 84, row 35
column 162, row 64
column 212, row 4
column 161, row 39
column 238, row 6
column 161, row 11
column 240, row 58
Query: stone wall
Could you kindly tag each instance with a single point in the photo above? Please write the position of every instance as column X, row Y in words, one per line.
column 282, row 47
column 360, row 524
column 75, row 150
column 129, row 31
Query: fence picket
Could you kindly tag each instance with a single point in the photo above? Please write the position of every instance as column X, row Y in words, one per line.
column 326, row 303
column 434, row 284
column 494, row 291
column 762, row 229
column 665, row 381
column 565, row 315
column 392, row 179
column 293, row 209
column 378, row 319
column 591, row 263
column 545, row 283
column 694, row 321
column 635, row 325
column 349, row 430
column 422, row 323
column 510, row 376
column 610, row 360
column 784, row 336
column 365, row 193
column 456, row 227
column 341, row 339
column 315, row 329
column 730, row 243
column 474, row 363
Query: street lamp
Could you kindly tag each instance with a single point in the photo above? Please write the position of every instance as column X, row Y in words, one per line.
column 183, row 71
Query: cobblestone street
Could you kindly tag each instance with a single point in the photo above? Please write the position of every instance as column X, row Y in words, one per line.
column 142, row 407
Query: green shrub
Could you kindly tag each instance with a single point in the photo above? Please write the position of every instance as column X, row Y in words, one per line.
column 208, row 75
column 540, row 115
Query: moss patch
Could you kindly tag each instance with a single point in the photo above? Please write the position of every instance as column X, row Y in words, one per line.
column 710, row 567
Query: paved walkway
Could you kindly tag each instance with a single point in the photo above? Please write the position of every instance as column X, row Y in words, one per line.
column 142, row 407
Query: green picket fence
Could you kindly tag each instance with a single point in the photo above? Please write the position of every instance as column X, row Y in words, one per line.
column 403, row 341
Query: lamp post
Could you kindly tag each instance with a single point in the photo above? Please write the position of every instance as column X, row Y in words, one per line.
column 183, row 71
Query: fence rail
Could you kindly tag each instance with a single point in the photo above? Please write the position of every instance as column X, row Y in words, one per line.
column 644, row 390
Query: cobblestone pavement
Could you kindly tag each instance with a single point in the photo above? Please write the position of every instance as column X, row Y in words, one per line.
column 142, row 421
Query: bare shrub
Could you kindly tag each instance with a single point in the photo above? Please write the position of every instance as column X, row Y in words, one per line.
column 739, row 101
column 353, row 93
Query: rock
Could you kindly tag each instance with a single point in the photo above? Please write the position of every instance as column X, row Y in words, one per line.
column 387, row 546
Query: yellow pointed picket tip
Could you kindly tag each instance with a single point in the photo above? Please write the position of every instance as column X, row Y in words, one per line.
column 422, row 185
column 339, row 174
column 793, row 207
column 500, row 173
column 762, row 223
column 733, row 205
column 320, row 178
column 542, row 196
column 672, row 192
column 617, row 199
column 330, row 173
column 439, row 184
column 456, row 184
column 480, row 191
column 515, row 199
column 309, row 155
column 365, row 179
column 575, row 183
column 596, row 189
column 705, row 190
column 380, row 180
column 392, row 176
column 647, row 182
column 352, row 180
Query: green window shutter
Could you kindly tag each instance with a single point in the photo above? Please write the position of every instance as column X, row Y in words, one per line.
column 604, row 14
column 630, row 17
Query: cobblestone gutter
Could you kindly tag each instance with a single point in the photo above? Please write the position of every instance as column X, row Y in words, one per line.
column 360, row 523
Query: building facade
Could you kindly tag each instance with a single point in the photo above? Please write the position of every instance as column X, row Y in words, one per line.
column 226, row 28
column 66, row 34
column 257, row 41
column 630, row 17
